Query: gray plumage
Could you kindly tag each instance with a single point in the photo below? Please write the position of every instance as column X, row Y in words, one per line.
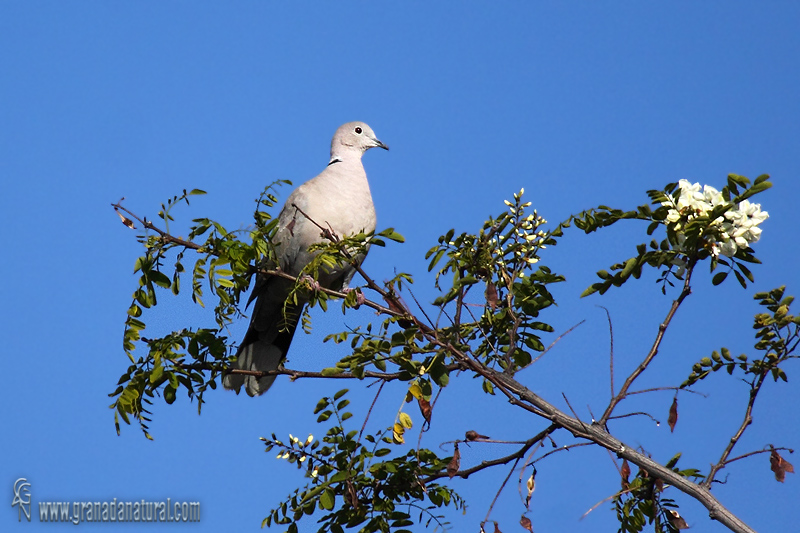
column 338, row 197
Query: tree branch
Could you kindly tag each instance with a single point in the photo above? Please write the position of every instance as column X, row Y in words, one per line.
column 662, row 328
column 518, row 394
column 330, row 292
column 500, row 460
column 611, row 348
column 748, row 419
column 296, row 374
column 388, row 296
column 597, row 434
column 756, row 452
column 161, row 233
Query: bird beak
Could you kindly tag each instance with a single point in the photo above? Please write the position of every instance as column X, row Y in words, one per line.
column 379, row 144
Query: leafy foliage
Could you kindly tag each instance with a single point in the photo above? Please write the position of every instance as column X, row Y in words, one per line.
column 777, row 336
column 352, row 486
column 679, row 249
column 641, row 502
column 223, row 266
column 490, row 323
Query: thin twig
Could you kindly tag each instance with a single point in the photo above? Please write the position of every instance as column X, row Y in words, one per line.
column 419, row 306
column 482, row 332
column 502, row 486
column 525, row 466
column 765, row 450
column 604, row 500
column 564, row 448
column 638, row 413
column 500, row 460
column 662, row 328
column 676, row 389
column 573, row 411
column 611, row 348
column 482, row 441
column 748, row 419
column 161, row 233
column 369, row 412
column 557, row 339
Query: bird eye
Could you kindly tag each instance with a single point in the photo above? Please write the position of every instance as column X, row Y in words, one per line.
column 358, row 130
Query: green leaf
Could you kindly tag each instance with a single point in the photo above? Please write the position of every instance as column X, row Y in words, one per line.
column 718, row 278
column 591, row 290
column 156, row 373
column 630, row 264
column 672, row 462
column 169, row 394
column 327, row 500
column 159, row 279
column 405, row 420
column 436, row 259
column 338, row 395
column 392, row 235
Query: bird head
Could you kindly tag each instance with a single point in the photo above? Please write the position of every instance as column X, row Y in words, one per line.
column 354, row 137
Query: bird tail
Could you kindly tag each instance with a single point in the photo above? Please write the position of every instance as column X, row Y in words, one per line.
column 262, row 351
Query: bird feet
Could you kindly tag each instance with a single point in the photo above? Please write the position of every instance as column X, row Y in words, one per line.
column 360, row 298
column 314, row 284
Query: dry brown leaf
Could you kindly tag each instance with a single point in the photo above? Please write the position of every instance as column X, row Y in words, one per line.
column 425, row 409
column 531, row 485
column 394, row 304
column 497, row 528
column 673, row 415
column 625, row 472
column 779, row 465
column 351, row 495
column 454, row 464
column 676, row 520
column 126, row 220
column 474, row 435
column 491, row 295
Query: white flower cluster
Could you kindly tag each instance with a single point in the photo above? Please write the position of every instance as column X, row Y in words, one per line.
column 524, row 231
column 737, row 229
column 295, row 443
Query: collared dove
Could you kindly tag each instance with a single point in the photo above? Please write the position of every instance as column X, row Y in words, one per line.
column 338, row 197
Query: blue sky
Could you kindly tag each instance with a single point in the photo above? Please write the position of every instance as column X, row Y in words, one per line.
column 580, row 103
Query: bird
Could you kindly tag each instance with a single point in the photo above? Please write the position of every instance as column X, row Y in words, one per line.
column 338, row 198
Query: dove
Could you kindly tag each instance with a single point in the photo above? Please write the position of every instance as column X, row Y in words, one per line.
column 338, row 198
